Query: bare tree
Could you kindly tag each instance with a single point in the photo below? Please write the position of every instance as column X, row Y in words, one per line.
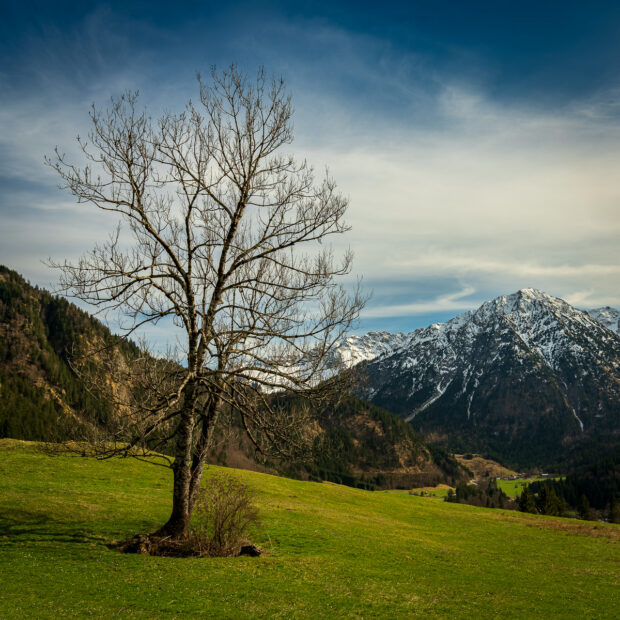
column 221, row 232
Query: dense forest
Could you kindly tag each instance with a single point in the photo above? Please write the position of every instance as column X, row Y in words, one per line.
column 593, row 493
column 484, row 493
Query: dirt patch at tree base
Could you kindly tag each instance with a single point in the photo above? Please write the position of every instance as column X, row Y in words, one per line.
column 145, row 544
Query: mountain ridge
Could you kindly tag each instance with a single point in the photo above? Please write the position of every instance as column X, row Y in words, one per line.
column 366, row 347
column 525, row 375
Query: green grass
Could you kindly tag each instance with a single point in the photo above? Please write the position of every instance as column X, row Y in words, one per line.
column 333, row 552
column 514, row 488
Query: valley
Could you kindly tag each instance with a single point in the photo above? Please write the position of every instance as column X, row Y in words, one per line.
column 42, row 398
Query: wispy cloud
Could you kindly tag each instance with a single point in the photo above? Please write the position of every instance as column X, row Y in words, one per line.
column 456, row 195
column 462, row 265
column 500, row 197
column 448, row 302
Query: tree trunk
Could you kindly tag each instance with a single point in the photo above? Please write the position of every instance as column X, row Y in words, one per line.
column 187, row 467
column 206, row 434
column 178, row 522
column 179, row 519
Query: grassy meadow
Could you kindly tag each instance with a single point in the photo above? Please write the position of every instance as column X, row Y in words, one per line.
column 514, row 488
column 331, row 551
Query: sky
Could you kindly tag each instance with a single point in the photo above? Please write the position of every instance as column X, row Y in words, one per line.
column 478, row 142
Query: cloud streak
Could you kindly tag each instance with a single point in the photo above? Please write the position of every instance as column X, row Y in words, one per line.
column 452, row 302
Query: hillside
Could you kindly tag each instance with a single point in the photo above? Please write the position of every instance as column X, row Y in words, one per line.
column 482, row 468
column 331, row 551
column 526, row 378
column 42, row 399
column 358, row 444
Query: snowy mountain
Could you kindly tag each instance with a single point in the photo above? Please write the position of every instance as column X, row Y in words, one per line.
column 526, row 376
column 355, row 349
column 609, row 317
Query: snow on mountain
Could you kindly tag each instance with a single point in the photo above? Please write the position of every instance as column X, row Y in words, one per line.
column 525, row 374
column 609, row 317
column 355, row 349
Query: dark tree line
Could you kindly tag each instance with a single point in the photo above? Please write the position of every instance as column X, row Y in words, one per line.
column 486, row 494
column 592, row 493
column 544, row 502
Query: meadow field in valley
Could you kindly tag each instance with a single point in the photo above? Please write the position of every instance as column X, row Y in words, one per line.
column 329, row 551
column 514, row 488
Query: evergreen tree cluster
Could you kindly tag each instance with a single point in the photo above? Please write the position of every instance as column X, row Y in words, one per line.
column 592, row 493
column 544, row 502
column 447, row 462
column 38, row 333
column 486, row 494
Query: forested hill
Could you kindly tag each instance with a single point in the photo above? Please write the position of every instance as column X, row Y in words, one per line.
column 41, row 398
column 39, row 393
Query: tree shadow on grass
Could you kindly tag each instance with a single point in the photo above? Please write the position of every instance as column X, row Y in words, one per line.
column 23, row 526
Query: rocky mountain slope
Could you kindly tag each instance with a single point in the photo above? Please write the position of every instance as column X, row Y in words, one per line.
column 40, row 396
column 355, row 349
column 42, row 399
column 608, row 317
column 526, row 376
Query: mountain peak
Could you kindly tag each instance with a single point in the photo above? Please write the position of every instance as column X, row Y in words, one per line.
column 525, row 374
column 532, row 293
column 528, row 310
column 527, row 295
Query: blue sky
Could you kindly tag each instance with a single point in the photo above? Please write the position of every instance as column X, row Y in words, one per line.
column 478, row 142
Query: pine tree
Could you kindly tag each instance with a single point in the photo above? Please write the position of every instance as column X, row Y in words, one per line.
column 548, row 502
column 526, row 501
column 613, row 515
column 585, row 511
